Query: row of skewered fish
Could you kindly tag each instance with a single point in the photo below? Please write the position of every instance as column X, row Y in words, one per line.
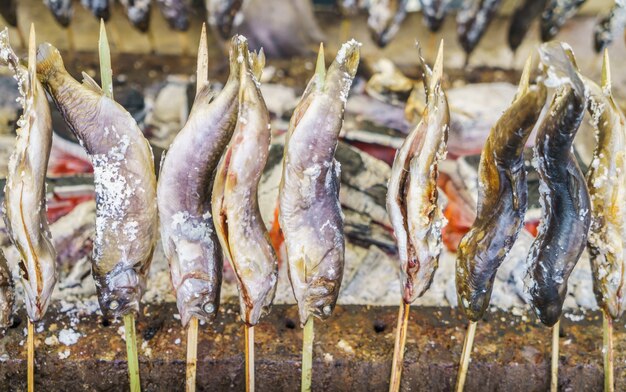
column 207, row 203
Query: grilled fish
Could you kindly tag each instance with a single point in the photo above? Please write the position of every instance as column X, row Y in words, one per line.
column 25, row 190
column 609, row 26
column 62, row 10
column 502, row 199
column 412, row 196
column 176, row 12
column 562, row 232
column 8, row 10
column 7, row 294
column 236, row 213
column 101, row 9
column 434, row 12
column 222, row 15
column 555, row 14
column 310, row 213
column 384, row 19
column 472, row 21
column 125, row 183
column 606, row 180
column 522, row 18
column 138, row 12
column 184, row 193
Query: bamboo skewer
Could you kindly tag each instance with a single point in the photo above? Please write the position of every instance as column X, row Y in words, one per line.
column 131, row 352
column 249, row 337
column 30, row 377
column 307, row 355
column 468, row 343
column 607, row 352
column 192, row 355
column 398, row 350
column 554, row 365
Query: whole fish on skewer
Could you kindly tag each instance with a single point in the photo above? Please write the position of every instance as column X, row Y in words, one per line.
column 101, row 9
column 502, row 199
column 62, row 10
column 189, row 239
column 176, row 12
column 138, row 12
column 238, row 222
column 606, row 180
column 310, row 213
column 7, row 294
column 472, row 21
column 562, row 233
column 25, row 190
column 555, row 14
column 522, row 18
column 384, row 19
column 609, row 26
column 125, row 183
column 434, row 12
column 412, row 196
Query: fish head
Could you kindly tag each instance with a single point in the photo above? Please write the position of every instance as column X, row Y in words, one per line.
column 384, row 20
column 38, row 284
column 320, row 300
column 62, row 11
column 197, row 298
column 99, row 8
column 121, row 293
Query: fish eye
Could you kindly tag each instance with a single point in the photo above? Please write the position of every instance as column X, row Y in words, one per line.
column 113, row 305
column 208, row 308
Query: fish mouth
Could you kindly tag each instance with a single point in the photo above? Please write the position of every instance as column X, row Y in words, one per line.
column 197, row 298
column 120, row 301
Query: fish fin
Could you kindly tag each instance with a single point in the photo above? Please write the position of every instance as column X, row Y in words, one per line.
column 606, row 73
column 106, row 73
column 91, row 84
column 426, row 71
column 320, row 68
column 32, row 61
column 561, row 66
column 437, row 73
column 49, row 61
column 257, row 61
column 524, row 82
column 202, row 66
column 238, row 54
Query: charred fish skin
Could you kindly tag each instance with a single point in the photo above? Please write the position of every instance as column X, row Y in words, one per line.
column 184, row 195
column 412, row 196
column 309, row 210
column 522, row 18
column 25, row 190
column 138, row 12
column 7, row 294
column 62, row 10
column 125, row 183
column 384, row 19
column 434, row 12
column 222, row 15
column 101, row 9
column 473, row 19
column 238, row 221
column 606, row 180
column 563, row 191
column 502, row 200
column 609, row 26
column 176, row 12
column 555, row 14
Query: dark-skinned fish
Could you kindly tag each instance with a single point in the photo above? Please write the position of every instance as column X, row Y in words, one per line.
column 61, row 9
column 522, row 18
column 606, row 180
column 502, row 199
column 238, row 221
column 138, row 12
column 176, row 13
column 125, row 183
column 101, row 9
column 472, row 20
column 184, row 192
column 609, row 26
column 384, row 19
column 309, row 210
column 25, row 191
column 222, row 14
column 563, row 194
column 555, row 14
column 412, row 195
column 434, row 12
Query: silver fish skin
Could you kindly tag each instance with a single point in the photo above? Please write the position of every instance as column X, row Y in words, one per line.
column 412, row 196
column 309, row 210
column 101, row 9
column 384, row 20
column 7, row 294
column 606, row 180
column 125, row 183
column 564, row 197
column 25, row 191
column 555, row 14
column 176, row 13
column 62, row 10
column 138, row 12
column 184, row 192
column 236, row 214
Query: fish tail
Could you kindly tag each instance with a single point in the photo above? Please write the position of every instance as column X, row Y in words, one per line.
column 349, row 56
column 49, row 62
column 606, row 72
column 524, row 82
column 257, row 62
column 238, row 54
